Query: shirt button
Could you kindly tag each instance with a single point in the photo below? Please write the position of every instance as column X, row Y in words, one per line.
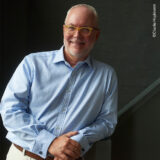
column 68, row 91
column 64, row 109
column 57, row 128
column 40, row 152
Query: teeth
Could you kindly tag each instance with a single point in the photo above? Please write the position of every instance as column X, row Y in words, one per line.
column 78, row 42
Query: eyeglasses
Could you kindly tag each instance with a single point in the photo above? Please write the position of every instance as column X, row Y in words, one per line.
column 85, row 31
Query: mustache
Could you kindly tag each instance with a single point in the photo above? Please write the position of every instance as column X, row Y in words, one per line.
column 76, row 41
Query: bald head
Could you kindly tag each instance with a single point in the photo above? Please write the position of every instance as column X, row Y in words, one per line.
column 89, row 10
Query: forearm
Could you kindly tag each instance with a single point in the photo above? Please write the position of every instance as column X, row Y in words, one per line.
column 93, row 133
column 27, row 132
column 23, row 127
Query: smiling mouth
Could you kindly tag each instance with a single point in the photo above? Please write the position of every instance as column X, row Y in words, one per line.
column 77, row 43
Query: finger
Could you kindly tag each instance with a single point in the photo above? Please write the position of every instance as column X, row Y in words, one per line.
column 57, row 158
column 73, row 146
column 70, row 134
column 75, row 149
column 64, row 156
column 75, row 143
column 71, row 154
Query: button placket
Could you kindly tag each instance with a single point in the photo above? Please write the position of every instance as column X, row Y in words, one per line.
column 65, row 103
column 68, row 93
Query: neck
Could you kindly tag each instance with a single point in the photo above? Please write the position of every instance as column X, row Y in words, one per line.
column 73, row 60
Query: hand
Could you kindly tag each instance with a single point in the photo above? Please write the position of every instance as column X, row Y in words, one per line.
column 64, row 148
column 55, row 158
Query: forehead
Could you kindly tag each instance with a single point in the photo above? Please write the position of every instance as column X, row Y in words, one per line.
column 81, row 16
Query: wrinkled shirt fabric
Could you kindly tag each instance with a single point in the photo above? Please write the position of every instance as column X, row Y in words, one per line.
column 46, row 98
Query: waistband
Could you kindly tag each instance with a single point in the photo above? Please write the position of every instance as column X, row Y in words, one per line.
column 35, row 156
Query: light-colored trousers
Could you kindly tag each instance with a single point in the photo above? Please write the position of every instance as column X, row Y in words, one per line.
column 15, row 154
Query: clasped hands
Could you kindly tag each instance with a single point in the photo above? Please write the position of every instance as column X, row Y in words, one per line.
column 64, row 148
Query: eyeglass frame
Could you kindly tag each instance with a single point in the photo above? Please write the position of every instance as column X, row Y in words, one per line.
column 79, row 28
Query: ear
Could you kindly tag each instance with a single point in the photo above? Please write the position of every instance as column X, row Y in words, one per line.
column 97, row 35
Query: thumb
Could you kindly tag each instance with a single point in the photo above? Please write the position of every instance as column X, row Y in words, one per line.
column 70, row 134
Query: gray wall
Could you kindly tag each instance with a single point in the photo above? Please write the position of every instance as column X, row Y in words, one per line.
column 137, row 137
column 126, row 40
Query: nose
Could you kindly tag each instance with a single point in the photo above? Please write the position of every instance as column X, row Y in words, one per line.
column 77, row 33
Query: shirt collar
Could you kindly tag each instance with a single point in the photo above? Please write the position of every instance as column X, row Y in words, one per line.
column 59, row 57
column 88, row 61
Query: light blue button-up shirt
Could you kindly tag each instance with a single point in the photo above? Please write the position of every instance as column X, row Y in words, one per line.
column 46, row 98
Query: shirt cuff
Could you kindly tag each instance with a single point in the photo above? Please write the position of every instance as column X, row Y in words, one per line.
column 82, row 140
column 42, row 142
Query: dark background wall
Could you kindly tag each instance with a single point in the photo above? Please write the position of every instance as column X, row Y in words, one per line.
column 125, row 42
column 137, row 137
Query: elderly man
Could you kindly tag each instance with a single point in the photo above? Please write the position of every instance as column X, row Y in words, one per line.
column 59, row 103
